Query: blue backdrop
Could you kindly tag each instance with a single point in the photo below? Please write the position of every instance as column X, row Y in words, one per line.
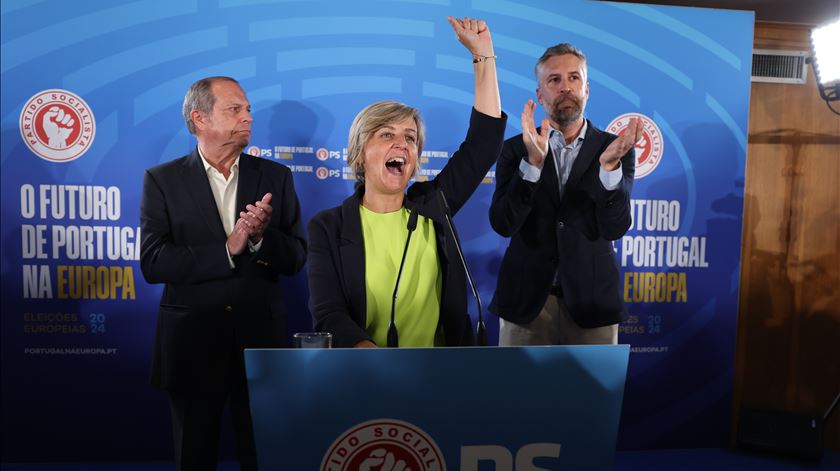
column 91, row 96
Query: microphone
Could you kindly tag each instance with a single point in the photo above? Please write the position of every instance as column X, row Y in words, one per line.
column 481, row 329
column 393, row 335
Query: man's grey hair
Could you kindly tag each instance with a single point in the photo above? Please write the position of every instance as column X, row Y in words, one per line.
column 200, row 98
column 559, row 50
column 370, row 120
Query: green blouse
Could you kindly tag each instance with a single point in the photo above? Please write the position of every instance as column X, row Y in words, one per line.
column 417, row 310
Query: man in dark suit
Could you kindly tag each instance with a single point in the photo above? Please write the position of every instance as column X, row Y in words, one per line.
column 218, row 228
column 562, row 194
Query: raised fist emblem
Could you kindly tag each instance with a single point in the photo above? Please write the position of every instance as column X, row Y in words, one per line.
column 58, row 126
column 383, row 461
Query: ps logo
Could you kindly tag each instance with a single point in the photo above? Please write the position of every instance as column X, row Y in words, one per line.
column 502, row 458
column 258, row 152
column 323, row 173
column 650, row 147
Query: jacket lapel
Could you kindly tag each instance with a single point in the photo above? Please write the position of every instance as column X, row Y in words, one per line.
column 425, row 202
column 249, row 183
column 550, row 180
column 552, row 183
column 592, row 143
column 195, row 178
column 351, row 248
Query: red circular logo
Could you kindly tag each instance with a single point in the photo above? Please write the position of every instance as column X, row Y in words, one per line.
column 650, row 147
column 384, row 444
column 57, row 125
column 322, row 154
column 322, row 173
column 254, row 150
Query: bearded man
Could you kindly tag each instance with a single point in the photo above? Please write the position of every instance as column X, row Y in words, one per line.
column 562, row 195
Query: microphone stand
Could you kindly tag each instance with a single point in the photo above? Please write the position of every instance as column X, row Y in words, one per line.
column 481, row 329
column 393, row 335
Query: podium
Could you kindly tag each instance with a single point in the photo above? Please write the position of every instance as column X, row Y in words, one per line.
column 518, row 408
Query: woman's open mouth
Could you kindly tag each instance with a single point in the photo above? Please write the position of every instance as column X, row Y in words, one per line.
column 395, row 165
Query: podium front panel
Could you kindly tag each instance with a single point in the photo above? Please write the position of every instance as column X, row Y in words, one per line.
column 533, row 408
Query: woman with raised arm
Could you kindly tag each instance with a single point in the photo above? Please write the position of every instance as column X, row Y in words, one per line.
column 356, row 249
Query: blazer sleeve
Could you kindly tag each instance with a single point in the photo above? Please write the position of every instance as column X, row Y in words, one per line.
column 470, row 163
column 164, row 261
column 513, row 198
column 283, row 250
column 612, row 211
column 327, row 302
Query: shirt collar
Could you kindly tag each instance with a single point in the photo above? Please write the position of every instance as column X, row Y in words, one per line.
column 207, row 165
column 580, row 135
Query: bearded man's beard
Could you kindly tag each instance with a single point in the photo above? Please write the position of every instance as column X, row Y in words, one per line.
column 566, row 109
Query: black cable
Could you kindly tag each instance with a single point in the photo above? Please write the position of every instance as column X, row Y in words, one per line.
column 827, row 95
column 832, row 407
column 828, row 104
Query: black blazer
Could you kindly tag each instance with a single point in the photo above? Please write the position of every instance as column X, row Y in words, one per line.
column 337, row 297
column 208, row 309
column 572, row 234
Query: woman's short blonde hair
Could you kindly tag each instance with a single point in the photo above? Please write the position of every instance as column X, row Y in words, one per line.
column 370, row 120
